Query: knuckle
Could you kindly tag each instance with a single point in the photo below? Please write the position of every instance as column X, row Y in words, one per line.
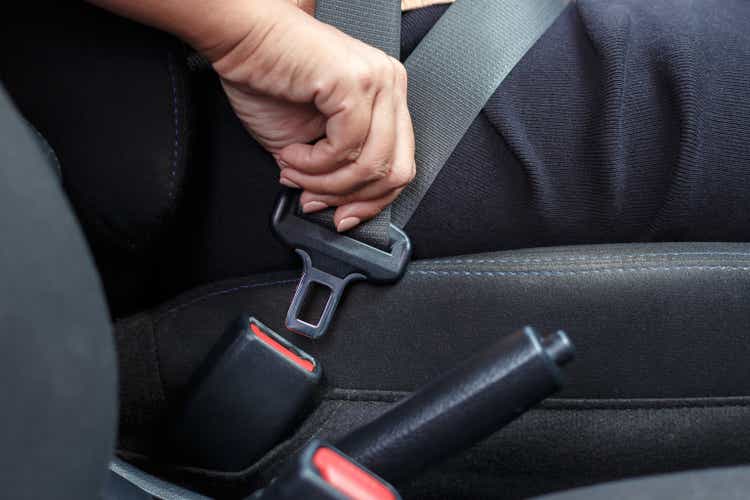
column 352, row 154
column 322, row 86
column 401, row 76
column 363, row 76
column 347, row 106
column 377, row 170
column 383, row 69
column 401, row 177
column 388, row 63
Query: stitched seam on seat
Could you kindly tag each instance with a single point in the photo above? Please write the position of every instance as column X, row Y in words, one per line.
column 438, row 272
column 557, row 404
column 176, row 124
column 573, row 258
column 592, row 407
column 157, row 358
column 221, row 292
column 618, row 270
column 668, row 404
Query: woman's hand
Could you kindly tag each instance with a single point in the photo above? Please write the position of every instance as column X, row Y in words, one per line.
column 331, row 109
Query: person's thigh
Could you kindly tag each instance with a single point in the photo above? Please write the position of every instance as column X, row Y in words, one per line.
column 626, row 122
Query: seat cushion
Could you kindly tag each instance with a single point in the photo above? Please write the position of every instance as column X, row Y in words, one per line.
column 659, row 331
column 732, row 483
column 57, row 375
column 111, row 98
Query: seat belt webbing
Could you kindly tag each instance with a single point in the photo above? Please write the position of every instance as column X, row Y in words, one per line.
column 455, row 70
column 377, row 23
column 452, row 73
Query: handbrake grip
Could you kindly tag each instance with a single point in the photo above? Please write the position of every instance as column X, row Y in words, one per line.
column 463, row 406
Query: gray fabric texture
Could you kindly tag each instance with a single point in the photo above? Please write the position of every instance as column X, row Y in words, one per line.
column 727, row 484
column 58, row 372
column 377, row 23
column 119, row 488
column 455, row 70
column 151, row 484
column 452, row 74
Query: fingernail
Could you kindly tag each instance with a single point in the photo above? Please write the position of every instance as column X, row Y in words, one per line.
column 347, row 223
column 286, row 182
column 282, row 164
column 313, row 206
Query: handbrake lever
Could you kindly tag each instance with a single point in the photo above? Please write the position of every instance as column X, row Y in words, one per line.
column 463, row 406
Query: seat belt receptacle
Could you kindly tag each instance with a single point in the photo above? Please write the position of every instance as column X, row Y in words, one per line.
column 332, row 260
column 321, row 472
column 247, row 396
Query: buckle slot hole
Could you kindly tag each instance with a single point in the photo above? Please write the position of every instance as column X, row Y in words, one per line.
column 314, row 302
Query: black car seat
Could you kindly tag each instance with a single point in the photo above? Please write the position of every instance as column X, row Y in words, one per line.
column 659, row 384
column 77, row 59
column 59, row 366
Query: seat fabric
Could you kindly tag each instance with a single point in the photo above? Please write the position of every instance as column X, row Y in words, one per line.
column 728, row 484
column 658, row 385
column 118, row 118
column 58, row 373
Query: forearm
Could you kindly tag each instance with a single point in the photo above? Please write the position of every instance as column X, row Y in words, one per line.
column 212, row 27
column 331, row 109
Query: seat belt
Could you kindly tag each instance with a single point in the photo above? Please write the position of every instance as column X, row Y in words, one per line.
column 453, row 72
column 377, row 23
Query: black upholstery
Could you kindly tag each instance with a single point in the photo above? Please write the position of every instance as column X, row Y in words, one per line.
column 659, row 382
column 634, row 311
column 110, row 97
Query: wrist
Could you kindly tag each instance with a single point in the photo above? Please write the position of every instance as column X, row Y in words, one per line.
column 226, row 24
column 218, row 26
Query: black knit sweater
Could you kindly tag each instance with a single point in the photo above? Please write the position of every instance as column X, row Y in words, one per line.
column 627, row 121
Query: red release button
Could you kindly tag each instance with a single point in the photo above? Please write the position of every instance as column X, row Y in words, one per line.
column 276, row 346
column 348, row 478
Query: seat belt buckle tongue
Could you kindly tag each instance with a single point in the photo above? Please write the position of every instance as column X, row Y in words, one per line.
column 322, row 472
column 332, row 260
